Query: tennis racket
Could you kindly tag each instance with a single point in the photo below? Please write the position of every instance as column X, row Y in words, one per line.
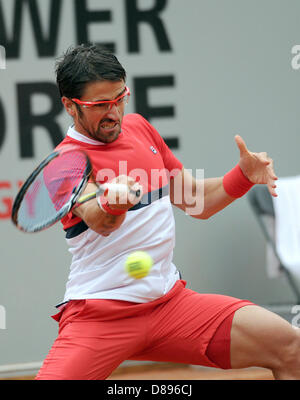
column 54, row 188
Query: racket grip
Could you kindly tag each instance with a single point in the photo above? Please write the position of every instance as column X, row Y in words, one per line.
column 118, row 187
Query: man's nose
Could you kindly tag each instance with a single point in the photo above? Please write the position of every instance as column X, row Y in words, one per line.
column 113, row 109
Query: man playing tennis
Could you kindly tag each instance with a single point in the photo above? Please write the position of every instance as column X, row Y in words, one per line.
column 106, row 316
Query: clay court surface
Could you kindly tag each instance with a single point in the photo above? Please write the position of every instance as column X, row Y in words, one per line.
column 166, row 371
column 179, row 372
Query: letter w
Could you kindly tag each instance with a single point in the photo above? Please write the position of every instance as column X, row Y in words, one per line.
column 46, row 44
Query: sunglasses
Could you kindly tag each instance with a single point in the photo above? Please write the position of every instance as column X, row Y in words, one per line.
column 105, row 105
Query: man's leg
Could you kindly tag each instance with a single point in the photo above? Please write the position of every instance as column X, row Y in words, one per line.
column 263, row 339
column 93, row 340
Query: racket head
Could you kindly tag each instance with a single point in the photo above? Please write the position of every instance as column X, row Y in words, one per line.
column 51, row 190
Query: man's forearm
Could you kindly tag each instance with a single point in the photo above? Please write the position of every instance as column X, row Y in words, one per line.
column 97, row 219
column 215, row 198
column 203, row 198
column 198, row 198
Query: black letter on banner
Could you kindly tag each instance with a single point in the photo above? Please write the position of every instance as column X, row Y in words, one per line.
column 2, row 125
column 45, row 46
column 141, row 86
column 28, row 121
column 151, row 17
column 85, row 17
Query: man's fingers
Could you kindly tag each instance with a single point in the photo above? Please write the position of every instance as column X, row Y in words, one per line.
column 132, row 196
column 271, row 188
column 271, row 170
column 258, row 166
column 241, row 144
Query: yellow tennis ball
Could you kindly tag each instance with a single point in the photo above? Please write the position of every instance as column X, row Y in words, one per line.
column 138, row 264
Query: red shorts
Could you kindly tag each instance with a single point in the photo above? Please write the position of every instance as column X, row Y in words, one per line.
column 96, row 336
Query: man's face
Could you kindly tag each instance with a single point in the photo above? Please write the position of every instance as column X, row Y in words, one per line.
column 100, row 122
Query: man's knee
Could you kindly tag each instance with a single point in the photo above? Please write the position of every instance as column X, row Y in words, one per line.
column 289, row 351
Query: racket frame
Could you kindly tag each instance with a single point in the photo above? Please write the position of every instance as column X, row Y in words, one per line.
column 66, row 208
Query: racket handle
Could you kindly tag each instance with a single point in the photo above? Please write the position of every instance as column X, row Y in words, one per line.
column 118, row 187
column 103, row 189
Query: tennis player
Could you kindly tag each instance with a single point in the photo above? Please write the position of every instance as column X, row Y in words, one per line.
column 107, row 316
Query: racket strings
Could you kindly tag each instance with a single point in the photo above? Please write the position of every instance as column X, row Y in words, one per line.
column 63, row 175
column 52, row 191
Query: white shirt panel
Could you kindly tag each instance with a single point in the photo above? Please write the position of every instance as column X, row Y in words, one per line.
column 98, row 263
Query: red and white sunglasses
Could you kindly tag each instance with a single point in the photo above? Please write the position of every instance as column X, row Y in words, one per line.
column 105, row 104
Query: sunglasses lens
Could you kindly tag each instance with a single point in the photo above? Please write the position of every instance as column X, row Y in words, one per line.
column 106, row 105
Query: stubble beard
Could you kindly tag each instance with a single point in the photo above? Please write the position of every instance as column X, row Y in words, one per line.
column 99, row 134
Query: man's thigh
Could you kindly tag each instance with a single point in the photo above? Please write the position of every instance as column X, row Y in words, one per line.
column 258, row 337
column 182, row 328
column 91, row 348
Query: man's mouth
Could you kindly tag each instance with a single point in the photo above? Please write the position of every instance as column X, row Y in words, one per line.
column 108, row 125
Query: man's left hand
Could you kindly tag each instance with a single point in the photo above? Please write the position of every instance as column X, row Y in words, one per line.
column 257, row 167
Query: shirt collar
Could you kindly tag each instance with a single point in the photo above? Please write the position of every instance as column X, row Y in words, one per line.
column 82, row 138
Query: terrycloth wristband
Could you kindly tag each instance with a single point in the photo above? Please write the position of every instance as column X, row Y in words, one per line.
column 235, row 183
column 103, row 204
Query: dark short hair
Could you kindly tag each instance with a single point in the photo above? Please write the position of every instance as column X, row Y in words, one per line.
column 86, row 63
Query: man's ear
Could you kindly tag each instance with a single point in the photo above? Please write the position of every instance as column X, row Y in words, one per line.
column 69, row 106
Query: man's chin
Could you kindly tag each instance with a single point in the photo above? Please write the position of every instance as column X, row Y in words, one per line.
column 108, row 135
